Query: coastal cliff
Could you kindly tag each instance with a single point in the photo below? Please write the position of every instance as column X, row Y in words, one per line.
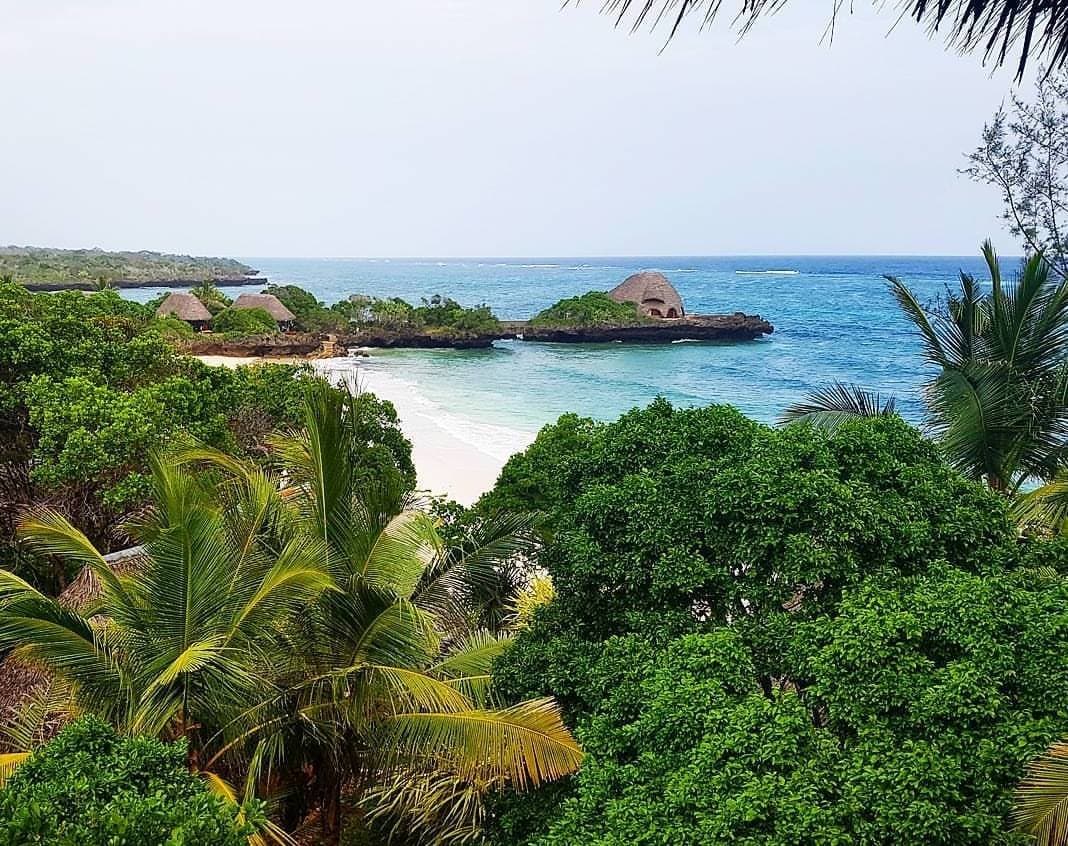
column 264, row 346
column 711, row 327
column 420, row 339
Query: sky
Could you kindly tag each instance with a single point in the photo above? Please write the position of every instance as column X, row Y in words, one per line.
column 483, row 128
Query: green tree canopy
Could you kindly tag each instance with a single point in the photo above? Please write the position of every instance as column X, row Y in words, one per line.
column 773, row 636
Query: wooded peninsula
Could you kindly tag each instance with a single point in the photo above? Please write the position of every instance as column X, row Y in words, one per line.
column 48, row 269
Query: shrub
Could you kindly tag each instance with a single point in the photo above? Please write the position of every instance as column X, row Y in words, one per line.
column 244, row 322
column 92, row 787
column 594, row 308
column 172, row 328
column 312, row 315
column 776, row 636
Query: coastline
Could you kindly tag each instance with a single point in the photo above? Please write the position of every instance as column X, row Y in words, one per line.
column 454, row 456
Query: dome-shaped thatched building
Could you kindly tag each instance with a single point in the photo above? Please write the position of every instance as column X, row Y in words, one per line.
column 654, row 295
column 185, row 306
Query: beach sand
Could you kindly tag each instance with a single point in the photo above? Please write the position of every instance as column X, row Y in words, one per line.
column 453, row 457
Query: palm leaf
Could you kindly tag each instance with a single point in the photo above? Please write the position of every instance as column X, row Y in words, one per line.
column 526, row 744
column 1042, row 798
column 9, row 762
column 829, row 407
column 991, row 26
column 1045, row 507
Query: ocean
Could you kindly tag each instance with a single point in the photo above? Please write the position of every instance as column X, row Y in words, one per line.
column 834, row 318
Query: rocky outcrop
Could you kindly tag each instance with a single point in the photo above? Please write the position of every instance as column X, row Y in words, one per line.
column 259, row 346
column 709, row 327
column 416, row 339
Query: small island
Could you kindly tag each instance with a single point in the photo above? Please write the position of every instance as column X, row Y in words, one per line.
column 48, row 269
column 644, row 308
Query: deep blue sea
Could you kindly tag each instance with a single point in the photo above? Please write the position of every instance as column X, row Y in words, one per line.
column 834, row 319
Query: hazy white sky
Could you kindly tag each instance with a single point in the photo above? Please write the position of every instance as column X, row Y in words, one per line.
column 481, row 127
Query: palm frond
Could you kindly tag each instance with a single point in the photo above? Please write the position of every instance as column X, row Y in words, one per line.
column 48, row 532
column 1042, row 798
column 9, row 762
column 829, row 407
column 1045, row 507
column 994, row 27
column 526, row 744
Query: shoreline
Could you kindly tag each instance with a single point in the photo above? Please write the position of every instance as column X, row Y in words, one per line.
column 133, row 284
column 454, row 456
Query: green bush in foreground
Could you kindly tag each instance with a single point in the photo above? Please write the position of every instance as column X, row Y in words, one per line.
column 93, row 787
column 244, row 321
column 780, row 636
column 594, row 308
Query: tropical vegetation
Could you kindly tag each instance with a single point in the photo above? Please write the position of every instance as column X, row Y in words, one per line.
column 435, row 315
column 997, row 403
column 304, row 631
column 780, row 635
column 594, row 308
column 92, row 786
column 243, row 322
column 91, row 384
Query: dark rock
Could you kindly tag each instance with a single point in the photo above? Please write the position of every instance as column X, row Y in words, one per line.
column 707, row 327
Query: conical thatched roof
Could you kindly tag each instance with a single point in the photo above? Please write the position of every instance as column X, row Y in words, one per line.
column 268, row 302
column 184, row 306
column 650, row 290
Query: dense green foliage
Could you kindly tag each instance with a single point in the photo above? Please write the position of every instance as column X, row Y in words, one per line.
column 243, row 322
column 89, row 384
column 93, row 787
column 781, row 636
column 312, row 315
column 47, row 266
column 594, row 308
column 436, row 315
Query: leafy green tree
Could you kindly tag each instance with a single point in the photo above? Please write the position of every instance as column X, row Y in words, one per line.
column 312, row 315
column 1024, row 156
column 594, row 308
column 244, row 322
column 780, row 636
column 91, row 786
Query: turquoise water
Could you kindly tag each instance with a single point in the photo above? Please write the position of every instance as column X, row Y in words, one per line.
column 834, row 319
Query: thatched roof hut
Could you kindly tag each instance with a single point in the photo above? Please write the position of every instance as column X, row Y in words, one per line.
column 20, row 680
column 654, row 295
column 269, row 303
column 185, row 306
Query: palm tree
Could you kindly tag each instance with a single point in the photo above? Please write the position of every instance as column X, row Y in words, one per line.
column 386, row 677
column 176, row 647
column 209, row 294
column 1038, row 27
column 998, row 404
column 298, row 635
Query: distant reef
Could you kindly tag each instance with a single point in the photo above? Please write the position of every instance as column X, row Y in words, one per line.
column 47, row 269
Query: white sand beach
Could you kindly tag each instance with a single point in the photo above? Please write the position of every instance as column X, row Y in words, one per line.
column 455, row 457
